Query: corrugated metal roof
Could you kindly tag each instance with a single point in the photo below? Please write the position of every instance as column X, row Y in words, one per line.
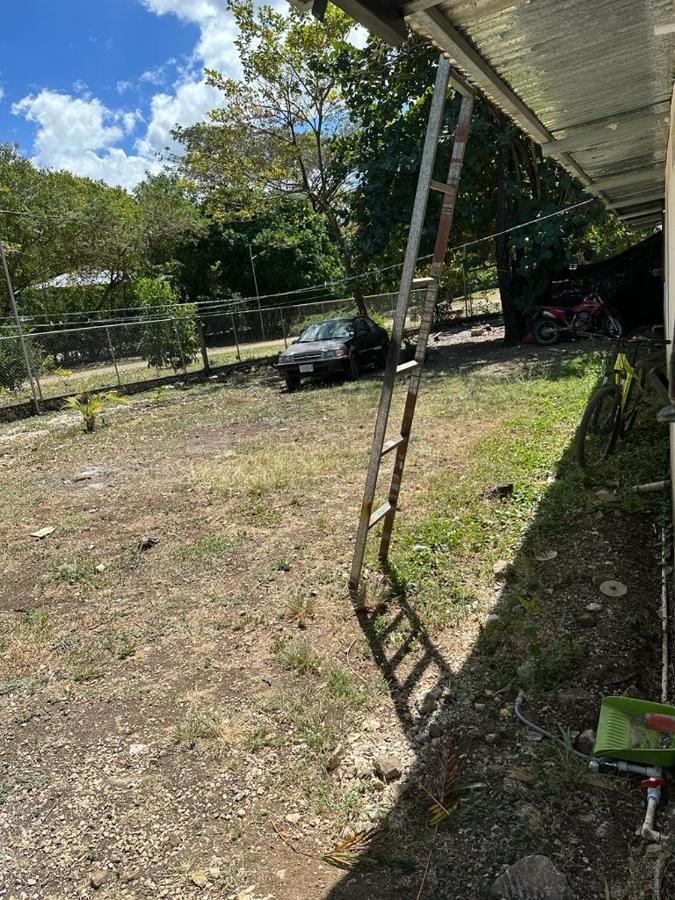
column 589, row 73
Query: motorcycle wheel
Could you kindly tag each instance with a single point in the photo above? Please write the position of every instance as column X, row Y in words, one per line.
column 613, row 327
column 545, row 332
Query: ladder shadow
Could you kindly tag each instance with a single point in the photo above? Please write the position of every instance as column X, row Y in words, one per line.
column 414, row 641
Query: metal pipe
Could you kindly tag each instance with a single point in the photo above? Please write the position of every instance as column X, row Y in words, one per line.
column 112, row 354
column 257, row 292
column 236, row 339
column 180, row 346
column 17, row 321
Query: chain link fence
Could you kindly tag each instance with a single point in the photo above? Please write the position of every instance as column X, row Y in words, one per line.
column 69, row 360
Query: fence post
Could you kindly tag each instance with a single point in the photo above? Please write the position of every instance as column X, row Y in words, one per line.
column 112, row 354
column 202, row 344
column 283, row 327
column 236, row 339
column 180, row 346
column 22, row 339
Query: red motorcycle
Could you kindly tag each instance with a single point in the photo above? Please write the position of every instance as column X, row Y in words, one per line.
column 591, row 316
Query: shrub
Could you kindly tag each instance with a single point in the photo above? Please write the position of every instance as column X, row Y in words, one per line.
column 162, row 341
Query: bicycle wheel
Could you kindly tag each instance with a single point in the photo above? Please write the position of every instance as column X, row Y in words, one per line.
column 599, row 428
column 632, row 404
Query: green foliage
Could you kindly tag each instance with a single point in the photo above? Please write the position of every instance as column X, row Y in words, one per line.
column 274, row 132
column 87, row 229
column 91, row 406
column 170, row 338
column 12, row 365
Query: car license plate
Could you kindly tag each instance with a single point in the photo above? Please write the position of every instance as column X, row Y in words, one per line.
column 308, row 367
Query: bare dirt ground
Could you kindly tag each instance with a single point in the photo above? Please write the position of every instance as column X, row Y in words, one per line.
column 206, row 717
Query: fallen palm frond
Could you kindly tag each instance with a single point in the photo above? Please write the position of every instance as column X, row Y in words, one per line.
column 443, row 783
column 352, row 849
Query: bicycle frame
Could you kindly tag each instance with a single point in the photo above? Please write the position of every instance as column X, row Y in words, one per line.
column 624, row 374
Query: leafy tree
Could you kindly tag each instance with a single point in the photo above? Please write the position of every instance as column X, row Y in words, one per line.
column 60, row 223
column 169, row 335
column 292, row 249
column 504, row 182
column 273, row 137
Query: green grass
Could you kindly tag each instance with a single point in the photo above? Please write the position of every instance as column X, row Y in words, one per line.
column 296, row 655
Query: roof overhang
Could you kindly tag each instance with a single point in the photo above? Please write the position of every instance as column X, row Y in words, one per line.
column 589, row 81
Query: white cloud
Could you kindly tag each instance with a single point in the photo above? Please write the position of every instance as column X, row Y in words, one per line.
column 80, row 134
column 190, row 103
column 215, row 48
column 2, row 92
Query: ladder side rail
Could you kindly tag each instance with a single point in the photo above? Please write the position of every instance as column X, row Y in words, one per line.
column 434, row 125
column 437, row 264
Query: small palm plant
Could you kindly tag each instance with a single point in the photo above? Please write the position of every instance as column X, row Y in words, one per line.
column 90, row 406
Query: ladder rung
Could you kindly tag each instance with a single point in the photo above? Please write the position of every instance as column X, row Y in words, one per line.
column 405, row 367
column 379, row 514
column 442, row 187
column 392, row 444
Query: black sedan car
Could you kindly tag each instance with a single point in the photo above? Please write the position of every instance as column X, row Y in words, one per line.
column 345, row 345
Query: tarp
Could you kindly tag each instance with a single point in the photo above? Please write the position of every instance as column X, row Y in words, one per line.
column 632, row 282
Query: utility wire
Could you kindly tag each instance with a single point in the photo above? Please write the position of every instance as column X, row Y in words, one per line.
column 349, row 278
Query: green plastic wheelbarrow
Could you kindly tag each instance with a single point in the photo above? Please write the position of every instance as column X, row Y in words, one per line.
column 624, row 734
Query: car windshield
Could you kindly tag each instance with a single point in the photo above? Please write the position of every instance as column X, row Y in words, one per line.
column 333, row 329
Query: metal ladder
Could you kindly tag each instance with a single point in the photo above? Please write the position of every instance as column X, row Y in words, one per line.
column 399, row 442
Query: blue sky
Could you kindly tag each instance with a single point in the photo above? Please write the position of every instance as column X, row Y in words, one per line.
column 95, row 86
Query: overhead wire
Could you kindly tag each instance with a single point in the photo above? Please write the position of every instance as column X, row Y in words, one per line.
column 210, row 304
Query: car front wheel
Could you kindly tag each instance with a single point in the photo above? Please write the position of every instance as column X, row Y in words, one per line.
column 292, row 383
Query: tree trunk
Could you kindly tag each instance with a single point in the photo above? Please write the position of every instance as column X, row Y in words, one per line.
column 347, row 262
column 512, row 316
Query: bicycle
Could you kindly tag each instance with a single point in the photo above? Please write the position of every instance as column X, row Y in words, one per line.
column 612, row 410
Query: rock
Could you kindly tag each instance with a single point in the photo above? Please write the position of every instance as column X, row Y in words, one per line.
column 199, row 879
column 478, row 331
column 388, row 767
column 435, row 729
column 293, row 818
column 336, row 757
column 138, row 749
column 147, row 541
column 492, row 738
column 500, row 492
column 502, row 570
column 587, row 620
column 428, row 705
column 100, row 568
column 608, row 831
column 491, row 617
column 280, row 874
column 43, row 532
column 532, row 878
column 546, row 556
column 604, row 494
column 586, row 741
column 613, row 588
column 531, row 816
column 594, row 607
column 98, row 878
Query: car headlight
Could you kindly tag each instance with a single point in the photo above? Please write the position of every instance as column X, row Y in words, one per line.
column 334, row 354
